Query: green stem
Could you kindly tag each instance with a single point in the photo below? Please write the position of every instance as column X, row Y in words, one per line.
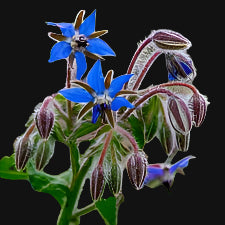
column 79, row 176
column 84, row 210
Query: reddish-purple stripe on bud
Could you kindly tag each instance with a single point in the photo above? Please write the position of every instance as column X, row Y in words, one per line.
column 179, row 114
column 97, row 182
column 22, row 151
column 170, row 40
column 199, row 105
column 45, row 118
column 136, row 169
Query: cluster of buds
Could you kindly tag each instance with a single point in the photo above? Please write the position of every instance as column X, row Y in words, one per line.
column 23, row 145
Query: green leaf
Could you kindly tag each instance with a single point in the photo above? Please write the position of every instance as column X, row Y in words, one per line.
column 84, row 129
column 8, row 169
column 150, row 113
column 107, row 209
column 54, row 185
column 137, row 128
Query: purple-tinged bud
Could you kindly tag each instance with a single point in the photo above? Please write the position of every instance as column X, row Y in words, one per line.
column 170, row 40
column 180, row 67
column 179, row 115
column 97, row 182
column 136, row 169
column 22, row 147
column 22, row 150
column 45, row 118
column 199, row 105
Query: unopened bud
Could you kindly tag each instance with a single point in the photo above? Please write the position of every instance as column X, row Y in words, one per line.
column 22, row 151
column 180, row 67
column 22, row 147
column 97, row 182
column 170, row 40
column 136, row 169
column 115, row 178
column 44, row 151
column 179, row 114
column 45, row 118
column 199, row 105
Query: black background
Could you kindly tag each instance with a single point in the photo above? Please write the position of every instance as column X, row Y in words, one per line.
column 27, row 78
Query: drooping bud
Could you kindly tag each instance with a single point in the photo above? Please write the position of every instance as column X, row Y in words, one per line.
column 115, row 178
column 199, row 105
column 97, row 182
column 22, row 150
column 45, row 118
column 180, row 67
column 136, row 169
column 44, row 151
column 170, row 40
column 179, row 115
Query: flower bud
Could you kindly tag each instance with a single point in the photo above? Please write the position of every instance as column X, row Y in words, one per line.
column 180, row 67
column 44, row 151
column 179, row 115
column 170, row 40
column 136, row 169
column 199, row 105
column 97, row 182
column 45, row 118
column 115, row 178
column 22, row 151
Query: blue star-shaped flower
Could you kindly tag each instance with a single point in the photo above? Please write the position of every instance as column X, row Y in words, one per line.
column 79, row 40
column 100, row 93
column 163, row 173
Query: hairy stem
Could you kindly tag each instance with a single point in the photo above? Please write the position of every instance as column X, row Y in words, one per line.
column 129, row 137
column 105, row 147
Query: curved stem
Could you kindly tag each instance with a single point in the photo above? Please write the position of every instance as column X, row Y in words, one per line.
column 151, row 92
column 129, row 137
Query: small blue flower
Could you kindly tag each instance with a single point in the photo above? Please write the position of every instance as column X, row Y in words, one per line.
column 163, row 173
column 100, row 93
column 180, row 67
column 79, row 40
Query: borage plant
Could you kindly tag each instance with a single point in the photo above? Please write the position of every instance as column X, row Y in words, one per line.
column 114, row 116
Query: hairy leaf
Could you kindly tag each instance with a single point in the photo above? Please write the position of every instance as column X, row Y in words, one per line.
column 54, row 185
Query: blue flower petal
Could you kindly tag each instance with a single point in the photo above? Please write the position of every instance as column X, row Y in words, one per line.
column 180, row 164
column 88, row 26
column 153, row 173
column 186, row 68
column 96, row 113
column 100, row 47
column 60, row 50
column 66, row 28
column 81, row 64
column 78, row 95
column 118, row 102
column 117, row 84
column 95, row 78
